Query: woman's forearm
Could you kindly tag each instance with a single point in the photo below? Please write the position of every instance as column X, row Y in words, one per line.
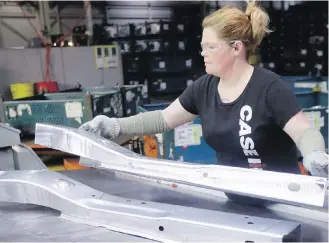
column 146, row 123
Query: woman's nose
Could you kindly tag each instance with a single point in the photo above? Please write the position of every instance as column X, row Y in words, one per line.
column 203, row 52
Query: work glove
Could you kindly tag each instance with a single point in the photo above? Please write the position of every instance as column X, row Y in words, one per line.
column 316, row 162
column 103, row 126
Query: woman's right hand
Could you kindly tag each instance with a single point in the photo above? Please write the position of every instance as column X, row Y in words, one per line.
column 103, row 126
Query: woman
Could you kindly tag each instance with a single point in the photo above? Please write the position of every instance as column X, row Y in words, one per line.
column 248, row 114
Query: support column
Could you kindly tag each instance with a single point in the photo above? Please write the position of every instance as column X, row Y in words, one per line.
column 58, row 29
column 89, row 18
column 1, row 35
column 47, row 17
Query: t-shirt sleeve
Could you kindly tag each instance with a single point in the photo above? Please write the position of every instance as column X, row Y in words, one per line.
column 189, row 97
column 281, row 102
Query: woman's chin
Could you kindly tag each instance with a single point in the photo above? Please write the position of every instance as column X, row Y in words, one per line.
column 209, row 71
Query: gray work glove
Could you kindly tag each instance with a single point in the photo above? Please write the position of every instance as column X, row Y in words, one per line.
column 316, row 162
column 103, row 126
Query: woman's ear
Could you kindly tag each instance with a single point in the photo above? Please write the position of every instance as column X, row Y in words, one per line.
column 237, row 46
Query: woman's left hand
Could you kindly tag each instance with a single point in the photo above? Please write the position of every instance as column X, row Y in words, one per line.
column 316, row 162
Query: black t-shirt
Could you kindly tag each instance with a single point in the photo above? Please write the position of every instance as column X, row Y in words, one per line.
column 249, row 131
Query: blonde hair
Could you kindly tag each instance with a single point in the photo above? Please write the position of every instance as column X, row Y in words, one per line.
column 231, row 23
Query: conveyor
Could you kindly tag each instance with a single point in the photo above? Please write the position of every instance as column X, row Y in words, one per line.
column 98, row 204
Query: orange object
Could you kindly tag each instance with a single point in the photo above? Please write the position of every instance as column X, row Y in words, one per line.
column 150, row 146
column 302, row 168
column 46, row 87
column 73, row 164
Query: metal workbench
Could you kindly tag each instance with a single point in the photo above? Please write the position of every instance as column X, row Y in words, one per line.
column 22, row 222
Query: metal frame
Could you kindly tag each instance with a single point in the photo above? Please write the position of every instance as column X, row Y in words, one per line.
column 279, row 187
column 155, row 221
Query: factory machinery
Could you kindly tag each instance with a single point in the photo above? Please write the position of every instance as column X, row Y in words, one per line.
column 124, row 196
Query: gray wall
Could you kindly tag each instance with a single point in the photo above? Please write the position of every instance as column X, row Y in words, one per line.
column 69, row 66
column 15, row 29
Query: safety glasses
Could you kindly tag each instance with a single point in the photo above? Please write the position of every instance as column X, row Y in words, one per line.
column 215, row 46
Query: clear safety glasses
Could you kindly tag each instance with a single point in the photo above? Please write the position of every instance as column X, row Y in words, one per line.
column 215, row 46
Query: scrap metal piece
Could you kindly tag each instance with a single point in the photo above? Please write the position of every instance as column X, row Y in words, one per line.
column 14, row 154
column 9, row 136
column 26, row 159
column 7, row 159
column 155, row 221
column 279, row 187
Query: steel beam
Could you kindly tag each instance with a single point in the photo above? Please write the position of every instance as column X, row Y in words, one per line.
column 155, row 221
column 279, row 187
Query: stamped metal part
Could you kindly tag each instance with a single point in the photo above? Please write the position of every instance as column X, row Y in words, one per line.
column 274, row 186
column 155, row 221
